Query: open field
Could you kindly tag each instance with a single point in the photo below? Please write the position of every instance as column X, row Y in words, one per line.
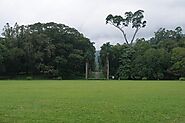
column 92, row 102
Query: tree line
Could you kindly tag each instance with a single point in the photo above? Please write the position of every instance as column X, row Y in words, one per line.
column 46, row 50
column 161, row 57
column 56, row 51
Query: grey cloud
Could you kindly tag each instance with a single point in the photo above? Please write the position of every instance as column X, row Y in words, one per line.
column 89, row 16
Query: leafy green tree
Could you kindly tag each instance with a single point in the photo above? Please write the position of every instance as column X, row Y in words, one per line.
column 153, row 64
column 161, row 57
column 136, row 19
column 3, row 55
column 89, row 57
column 45, row 49
column 178, row 61
column 140, row 47
column 114, row 58
column 164, row 35
column 105, row 53
column 125, row 63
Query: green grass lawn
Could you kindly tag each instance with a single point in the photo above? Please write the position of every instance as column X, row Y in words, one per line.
column 92, row 102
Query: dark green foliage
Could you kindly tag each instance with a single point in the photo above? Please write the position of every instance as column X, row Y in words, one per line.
column 48, row 50
column 134, row 19
column 163, row 34
column 125, row 61
column 178, row 61
column 161, row 57
column 154, row 63
column 105, row 55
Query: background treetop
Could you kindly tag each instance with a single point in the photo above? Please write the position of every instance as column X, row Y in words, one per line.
column 134, row 19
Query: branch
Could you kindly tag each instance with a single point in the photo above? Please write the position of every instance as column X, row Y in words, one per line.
column 137, row 29
column 125, row 37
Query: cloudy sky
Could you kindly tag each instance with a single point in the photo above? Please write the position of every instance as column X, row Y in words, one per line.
column 88, row 16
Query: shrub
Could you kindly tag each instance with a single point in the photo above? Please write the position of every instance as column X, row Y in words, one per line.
column 144, row 78
column 29, row 78
column 182, row 78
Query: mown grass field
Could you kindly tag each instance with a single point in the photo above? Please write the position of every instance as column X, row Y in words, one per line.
column 92, row 102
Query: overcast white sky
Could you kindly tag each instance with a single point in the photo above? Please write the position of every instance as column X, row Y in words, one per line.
column 88, row 16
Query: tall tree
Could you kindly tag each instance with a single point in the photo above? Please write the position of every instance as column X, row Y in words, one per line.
column 105, row 52
column 135, row 19
column 88, row 57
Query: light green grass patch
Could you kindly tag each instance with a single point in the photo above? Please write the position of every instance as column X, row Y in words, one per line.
column 92, row 101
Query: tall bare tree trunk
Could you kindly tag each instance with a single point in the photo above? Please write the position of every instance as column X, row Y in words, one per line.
column 107, row 61
column 86, row 69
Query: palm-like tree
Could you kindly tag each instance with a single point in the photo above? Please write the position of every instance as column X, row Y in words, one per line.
column 88, row 57
column 105, row 52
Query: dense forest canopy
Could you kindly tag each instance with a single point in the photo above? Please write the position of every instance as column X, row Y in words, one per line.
column 51, row 51
column 161, row 57
column 47, row 50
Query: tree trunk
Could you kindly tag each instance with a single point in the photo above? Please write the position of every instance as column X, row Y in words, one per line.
column 86, row 69
column 107, row 61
